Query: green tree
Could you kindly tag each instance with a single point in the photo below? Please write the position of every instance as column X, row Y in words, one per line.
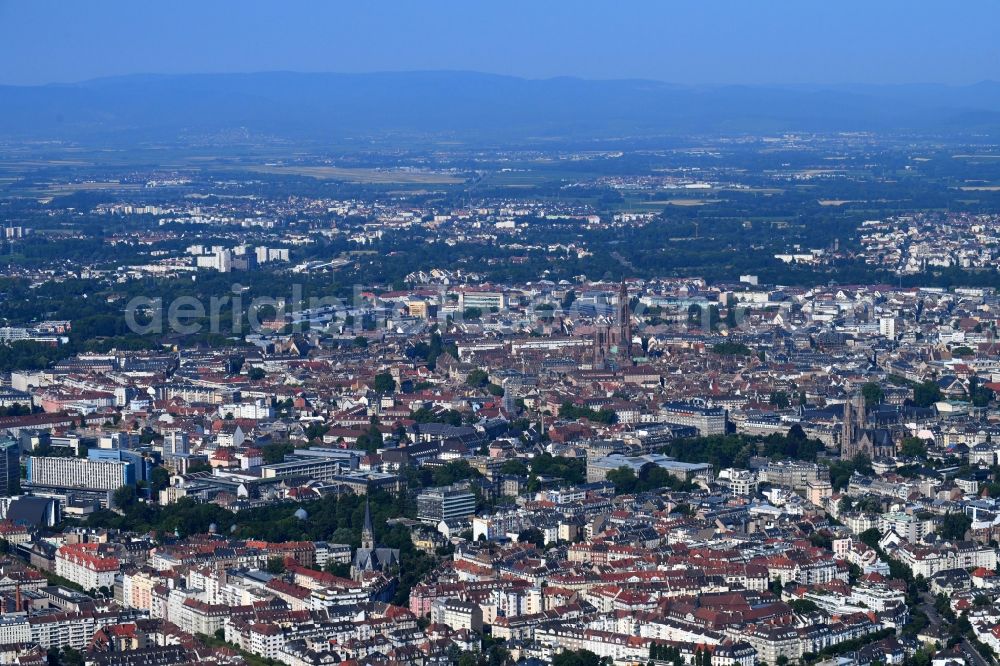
column 426, row 415
column 980, row 395
column 914, row 447
column 926, row 394
column 275, row 452
column 841, row 470
column 780, row 400
column 371, row 440
column 573, row 412
column 654, row 477
column 514, row 467
column 455, row 470
column 624, row 480
column 954, row 525
column 340, row 569
column 384, row 383
column 125, row 498
column 532, row 535
column 478, row 378
column 873, row 394
column 71, row 657
column 159, row 478
column 314, row 430
column 803, row 606
column 577, row 658
column 731, row 348
column 870, row 505
column 871, row 537
column 571, row 470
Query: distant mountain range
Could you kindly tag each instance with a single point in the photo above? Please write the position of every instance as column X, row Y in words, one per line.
column 468, row 105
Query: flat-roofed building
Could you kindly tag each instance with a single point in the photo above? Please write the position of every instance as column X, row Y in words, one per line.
column 78, row 473
column 10, row 467
column 319, row 469
column 708, row 420
column 598, row 468
column 484, row 300
column 447, row 503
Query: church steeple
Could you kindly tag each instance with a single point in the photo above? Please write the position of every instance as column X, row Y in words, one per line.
column 624, row 323
column 370, row 557
column 367, row 533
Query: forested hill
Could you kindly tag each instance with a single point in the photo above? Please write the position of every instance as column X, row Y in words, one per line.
column 470, row 105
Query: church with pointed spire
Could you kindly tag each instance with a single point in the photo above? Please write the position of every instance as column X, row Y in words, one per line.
column 613, row 337
column 856, row 438
column 370, row 556
column 368, row 532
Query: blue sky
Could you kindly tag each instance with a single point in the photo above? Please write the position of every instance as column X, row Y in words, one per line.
column 682, row 41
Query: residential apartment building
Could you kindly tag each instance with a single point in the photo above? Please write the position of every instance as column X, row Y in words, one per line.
column 86, row 565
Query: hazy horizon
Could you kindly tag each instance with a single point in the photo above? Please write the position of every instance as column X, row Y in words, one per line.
column 782, row 42
column 555, row 77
